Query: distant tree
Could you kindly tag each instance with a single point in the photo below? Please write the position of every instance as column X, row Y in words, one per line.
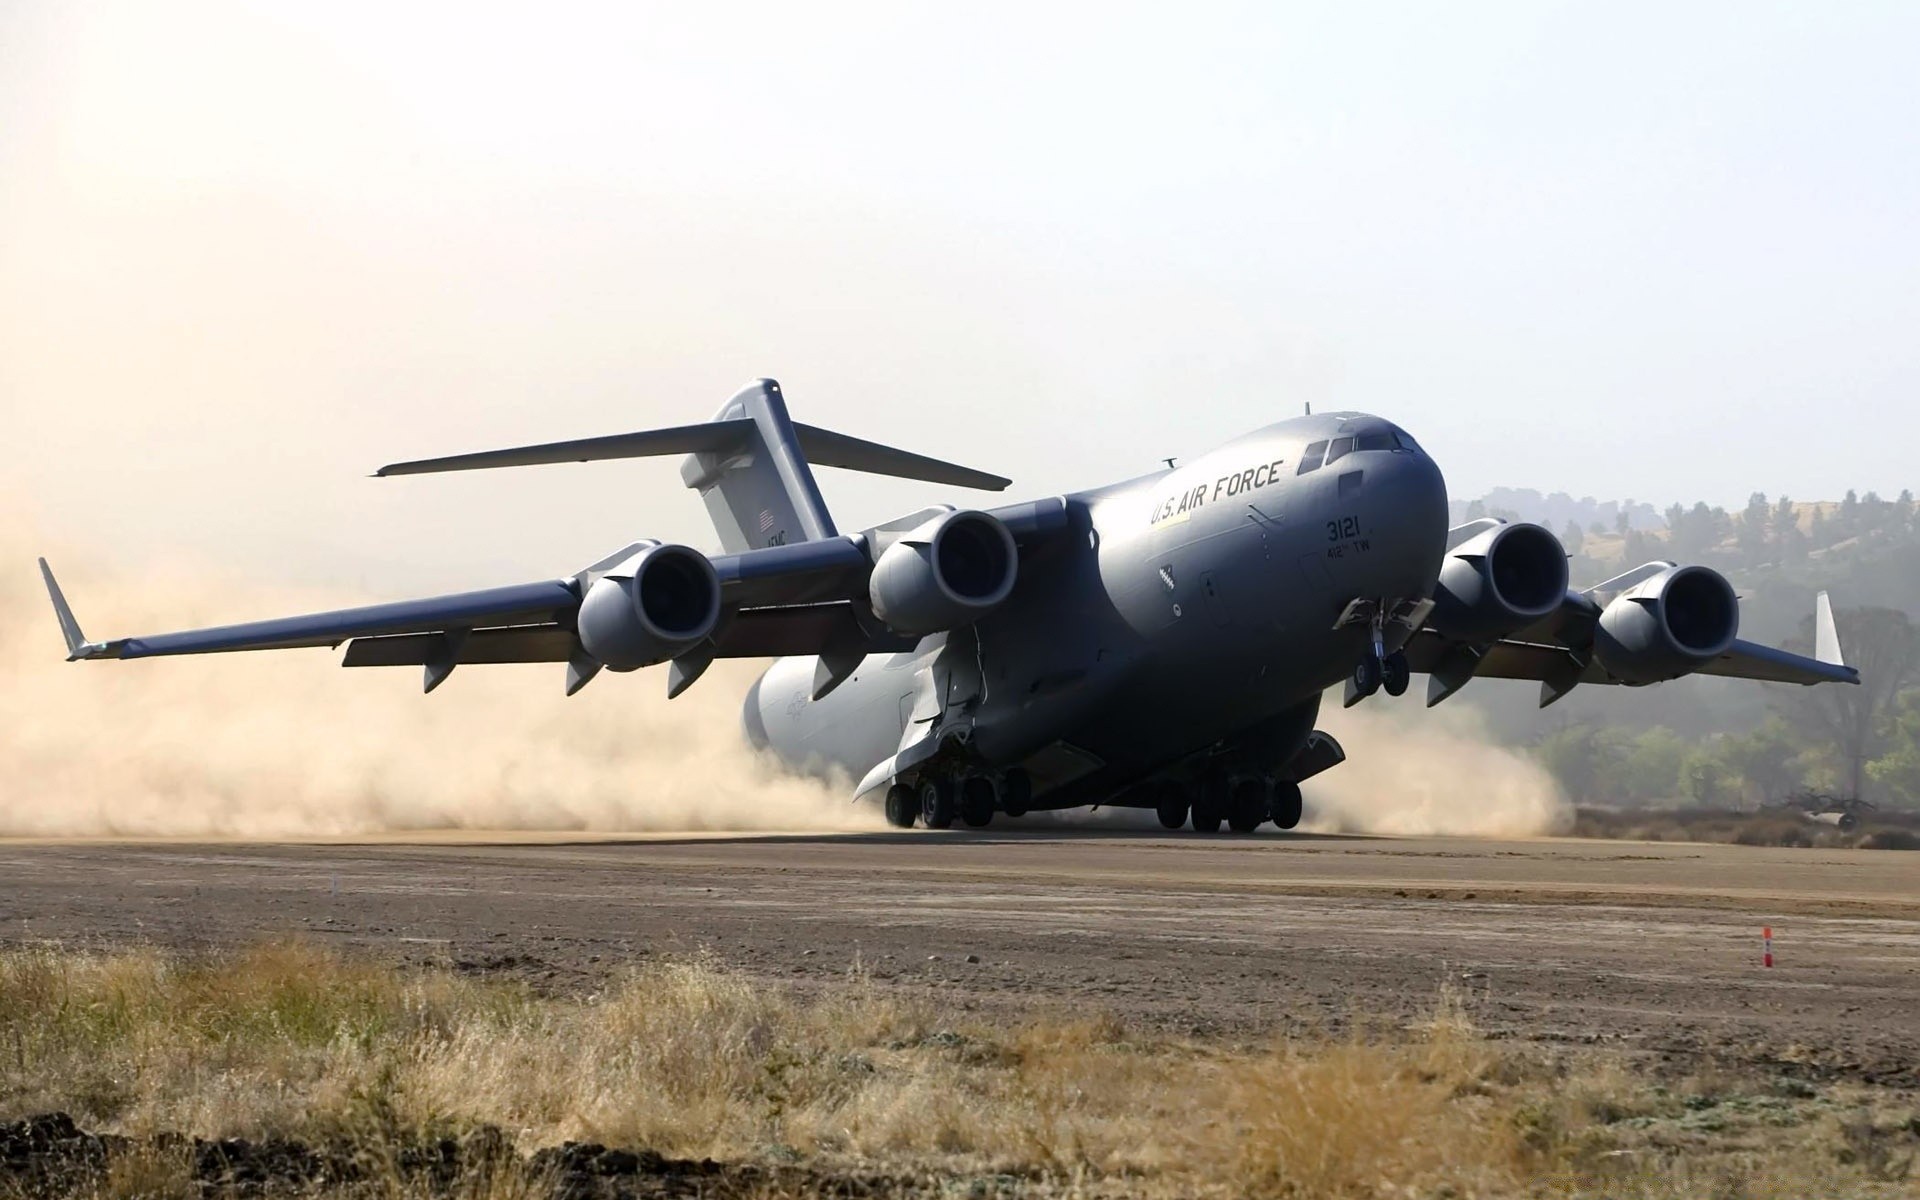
column 1791, row 544
column 1847, row 521
column 1703, row 779
column 1896, row 773
column 1649, row 766
column 1623, row 520
column 1764, row 760
column 1881, row 644
column 1754, row 524
column 1583, row 758
column 1476, row 509
column 1903, row 510
column 1573, row 537
column 1598, row 529
column 1819, row 532
column 1786, row 519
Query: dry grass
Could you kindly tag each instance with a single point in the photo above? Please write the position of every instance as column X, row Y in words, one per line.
column 687, row 1059
column 1768, row 827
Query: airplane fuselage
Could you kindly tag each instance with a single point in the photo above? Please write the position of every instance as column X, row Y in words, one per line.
column 1186, row 609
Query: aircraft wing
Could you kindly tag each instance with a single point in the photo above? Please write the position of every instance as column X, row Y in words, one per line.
column 1558, row 652
column 516, row 606
column 804, row 598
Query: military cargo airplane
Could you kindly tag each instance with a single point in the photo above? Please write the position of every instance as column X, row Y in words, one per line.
column 1159, row 643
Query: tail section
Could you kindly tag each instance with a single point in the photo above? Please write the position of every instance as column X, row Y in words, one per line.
column 760, row 489
column 753, row 466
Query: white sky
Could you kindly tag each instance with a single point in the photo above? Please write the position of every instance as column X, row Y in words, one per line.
column 249, row 252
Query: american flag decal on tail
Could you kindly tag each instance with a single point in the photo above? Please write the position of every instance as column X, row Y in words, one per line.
column 766, row 520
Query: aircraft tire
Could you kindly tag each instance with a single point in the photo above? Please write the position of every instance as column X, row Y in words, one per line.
column 1016, row 793
column 976, row 801
column 1366, row 675
column 936, row 801
column 903, row 807
column 1286, row 804
column 1247, row 805
column 1172, row 810
column 1209, row 803
column 1395, row 674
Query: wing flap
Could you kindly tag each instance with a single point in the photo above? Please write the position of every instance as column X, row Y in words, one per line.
column 519, row 644
column 803, row 629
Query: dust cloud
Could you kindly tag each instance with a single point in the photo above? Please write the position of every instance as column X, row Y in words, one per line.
column 1416, row 771
column 287, row 744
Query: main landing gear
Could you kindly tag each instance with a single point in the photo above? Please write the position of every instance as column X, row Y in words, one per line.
column 938, row 797
column 1242, row 803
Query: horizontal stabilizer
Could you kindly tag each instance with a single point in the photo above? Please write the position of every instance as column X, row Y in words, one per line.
column 825, row 448
column 709, row 436
column 822, row 447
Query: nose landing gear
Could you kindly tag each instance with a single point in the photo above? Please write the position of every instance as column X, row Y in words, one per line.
column 1377, row 668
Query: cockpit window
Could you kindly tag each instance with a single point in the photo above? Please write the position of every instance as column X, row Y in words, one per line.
column 1310, row 458
column 1338, row 448
column 1374, row 441
column 1405, row 442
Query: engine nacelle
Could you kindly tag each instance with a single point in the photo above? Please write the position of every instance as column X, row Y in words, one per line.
column 1668, row 626
column 650, row 608
column 1499, row 582
column 950, row 572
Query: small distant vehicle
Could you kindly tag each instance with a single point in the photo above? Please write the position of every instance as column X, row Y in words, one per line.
column 1158, row 643
column 1843, row 812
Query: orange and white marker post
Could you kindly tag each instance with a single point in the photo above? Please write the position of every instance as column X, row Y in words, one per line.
column 1766, row 945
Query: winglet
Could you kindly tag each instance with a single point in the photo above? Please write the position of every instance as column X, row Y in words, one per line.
column 78, row 647
column 1826, row 635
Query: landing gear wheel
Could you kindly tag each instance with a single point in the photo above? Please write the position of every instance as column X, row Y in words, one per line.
column 936, row 801
column 1366, row 675
column 1016, row 793
column 1210, row 804
column 1395, row 674
column 1171, row 806
column 1247, row 805
column 902, row 806
column 1286, row 804
column 976, row 801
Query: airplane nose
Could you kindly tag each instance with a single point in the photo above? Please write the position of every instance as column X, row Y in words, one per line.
column 1410, row 498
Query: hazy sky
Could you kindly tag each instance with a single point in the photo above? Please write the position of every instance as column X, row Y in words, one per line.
column 250, row 252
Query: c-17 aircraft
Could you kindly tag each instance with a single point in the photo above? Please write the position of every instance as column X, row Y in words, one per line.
column 1158, row 643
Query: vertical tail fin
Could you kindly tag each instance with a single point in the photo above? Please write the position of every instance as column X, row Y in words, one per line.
column 760, row 491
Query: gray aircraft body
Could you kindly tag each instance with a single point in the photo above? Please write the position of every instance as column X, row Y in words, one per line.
column 1160, row 643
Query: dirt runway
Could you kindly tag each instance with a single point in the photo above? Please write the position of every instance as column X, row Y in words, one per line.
column 1654, row 947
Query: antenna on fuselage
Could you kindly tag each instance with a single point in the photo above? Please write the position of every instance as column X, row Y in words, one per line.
column 1309, row 408
column 1169, row 463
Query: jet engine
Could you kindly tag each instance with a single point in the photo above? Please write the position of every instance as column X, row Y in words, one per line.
column 949, row 572
column 1499, row 582
column 650, row 608
column 1668, row 626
